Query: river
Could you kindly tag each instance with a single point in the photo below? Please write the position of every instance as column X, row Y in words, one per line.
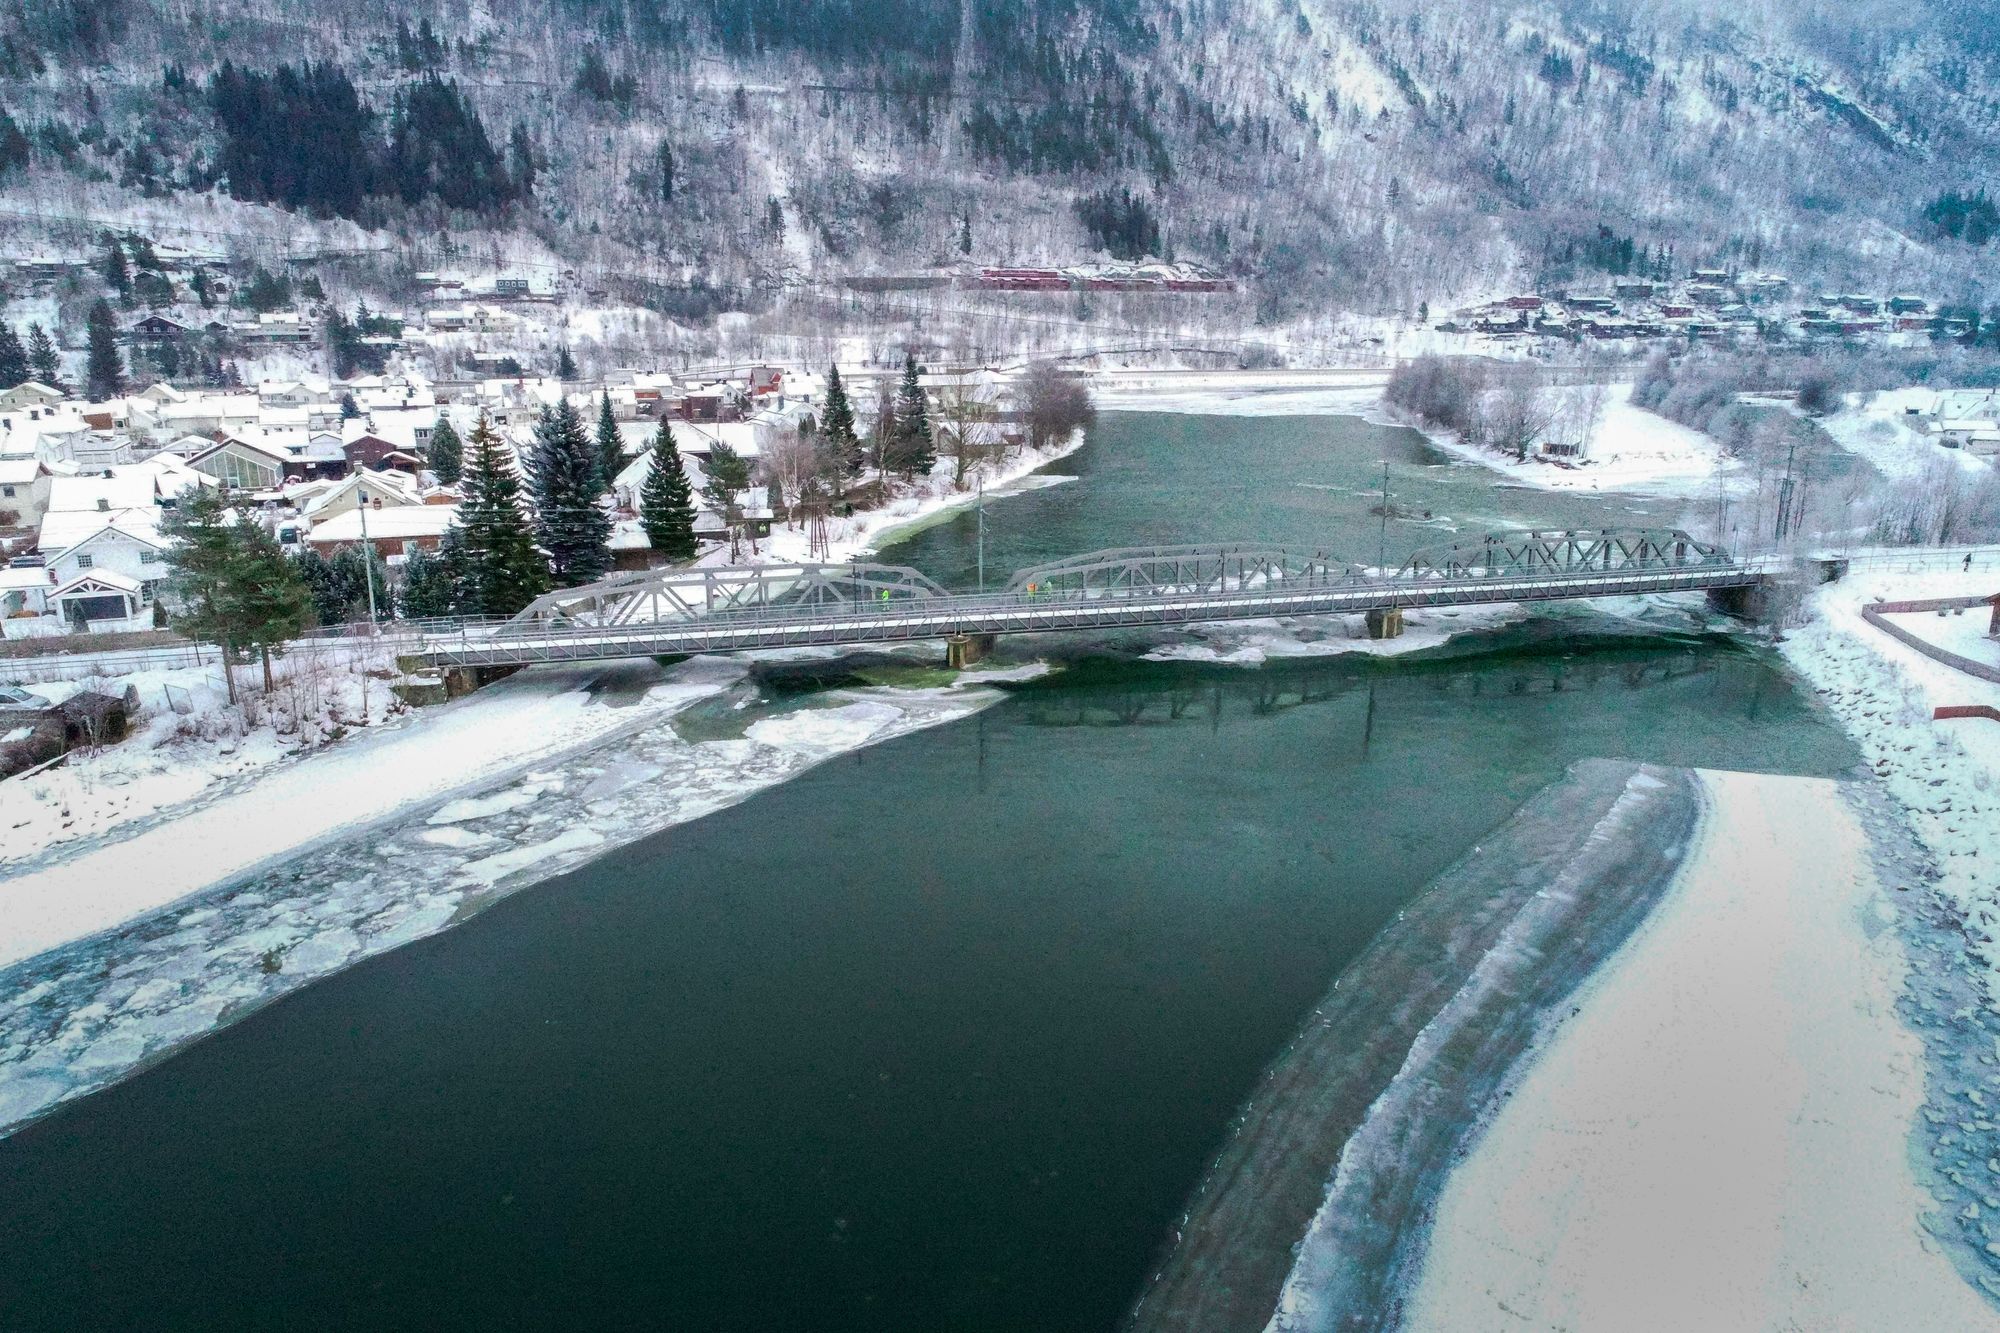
column 938, row 1035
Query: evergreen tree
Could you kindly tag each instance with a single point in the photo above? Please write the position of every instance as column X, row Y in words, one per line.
column 610, row 446
column 501, row 569
column 447, row 454
column 13, row 358
column 521, row 161
column 565, row 364
column 203, row 556
column 666, row 159
column 455, row 563
column 359, row 572
column 911, row 448
column 43, row 360
column 838, row 439
column 349, row 409
column 267, row 598
column 114, row 268
column 426, row 591
column 105, row 369
column 566, row 478
column 666, row 501
column 202, row 291
column 728, row 474
column 328, row 591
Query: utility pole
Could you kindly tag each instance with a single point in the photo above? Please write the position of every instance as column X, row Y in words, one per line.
column 1382, row 543
column 982, row 531
column 1785, row 492
column 367, row 578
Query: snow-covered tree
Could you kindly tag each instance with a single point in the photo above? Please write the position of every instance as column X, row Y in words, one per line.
column 666, row 500
column 566, row 478
column 502, row 568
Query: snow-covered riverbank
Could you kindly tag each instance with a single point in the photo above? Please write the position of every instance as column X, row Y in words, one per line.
column 1631, row 450
column 425, row 856
column 1717, row 1136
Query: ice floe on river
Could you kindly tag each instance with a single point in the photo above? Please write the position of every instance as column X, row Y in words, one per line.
column 90, row 1012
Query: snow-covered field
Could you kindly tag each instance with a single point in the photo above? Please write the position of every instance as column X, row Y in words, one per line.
column 1881, row 429
column 1717, row 1137
column 1631, row 450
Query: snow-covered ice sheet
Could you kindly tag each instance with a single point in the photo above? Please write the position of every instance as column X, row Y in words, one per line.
column 81, row 1016
column 1718, row 1137
column 472, row 742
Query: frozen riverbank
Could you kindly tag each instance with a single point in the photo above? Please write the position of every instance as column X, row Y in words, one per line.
column 1347, row 1138
column 93, row 1011
column 1718, row 1135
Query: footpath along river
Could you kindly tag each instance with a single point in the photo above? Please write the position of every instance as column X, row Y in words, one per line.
column 939, row 1034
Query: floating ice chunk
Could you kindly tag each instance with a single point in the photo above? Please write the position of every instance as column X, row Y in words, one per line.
column 493, row 869
column 22, row 1096
column 462, row 839
column 839, row 728
column 619, row 776
column 482, row 807
column 322, row 952
column 115, row 1050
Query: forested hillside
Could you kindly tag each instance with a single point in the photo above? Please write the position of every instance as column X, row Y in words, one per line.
column 698, row 155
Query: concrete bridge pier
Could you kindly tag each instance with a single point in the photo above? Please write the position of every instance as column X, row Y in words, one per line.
column 460, row 681
column 1748, row 601
column 1385, row 622
column 964, row 650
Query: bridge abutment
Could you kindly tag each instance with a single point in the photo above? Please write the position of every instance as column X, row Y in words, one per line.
column 1748, row 601
column 461, row 681
column 1386, row 623
column 964, row 650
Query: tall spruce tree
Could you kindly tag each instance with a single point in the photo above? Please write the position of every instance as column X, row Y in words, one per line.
column 564, row 479
column 270, row 602
column 117, row 274
column 841, row 444
column 105, row 369
column 44, row 362
column 13, row 358
column 610, row 448
column 565, row 364
column 911, row 448
column 447, row 453
column 331, row 597
column 203, row 556
column 666, row 501
column 502, row 568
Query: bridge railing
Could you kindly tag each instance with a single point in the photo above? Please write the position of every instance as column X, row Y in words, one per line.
column 968, row 612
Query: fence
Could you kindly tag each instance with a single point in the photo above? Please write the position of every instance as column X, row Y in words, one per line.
column 1874, row 614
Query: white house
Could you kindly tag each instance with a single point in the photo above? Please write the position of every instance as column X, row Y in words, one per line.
column 24, row 491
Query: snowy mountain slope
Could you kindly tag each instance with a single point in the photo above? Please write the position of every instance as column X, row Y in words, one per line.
column 1365, row 154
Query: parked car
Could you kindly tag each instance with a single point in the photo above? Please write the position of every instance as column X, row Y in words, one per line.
column 32, row 560
column 16, row 700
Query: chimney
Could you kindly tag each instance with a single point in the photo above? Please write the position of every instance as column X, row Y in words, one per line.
column 103, row 504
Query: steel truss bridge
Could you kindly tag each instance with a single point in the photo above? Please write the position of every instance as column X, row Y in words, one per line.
column 685, row 611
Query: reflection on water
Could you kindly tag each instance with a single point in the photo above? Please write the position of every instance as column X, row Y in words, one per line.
column 935, row 1036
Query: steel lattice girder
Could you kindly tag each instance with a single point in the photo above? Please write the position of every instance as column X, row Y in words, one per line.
column 653, row 596
column 1508, row 554
column 1125, row 571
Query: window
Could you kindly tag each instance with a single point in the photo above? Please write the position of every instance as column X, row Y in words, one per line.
column 7, row 491
column 85, row 561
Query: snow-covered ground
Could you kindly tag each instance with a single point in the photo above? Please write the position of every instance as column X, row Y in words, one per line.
column 930, row 501
column 1882, row 429
column 186, row 740
column 1946, row 775
column 469, row 744
column 1717, row 1137
column 570, row 773
column 1631, row 450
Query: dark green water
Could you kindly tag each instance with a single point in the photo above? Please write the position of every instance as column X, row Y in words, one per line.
column 935, row 1037
column 1147, row 479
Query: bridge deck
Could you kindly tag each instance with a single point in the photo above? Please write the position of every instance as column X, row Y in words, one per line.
column 906, row 619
